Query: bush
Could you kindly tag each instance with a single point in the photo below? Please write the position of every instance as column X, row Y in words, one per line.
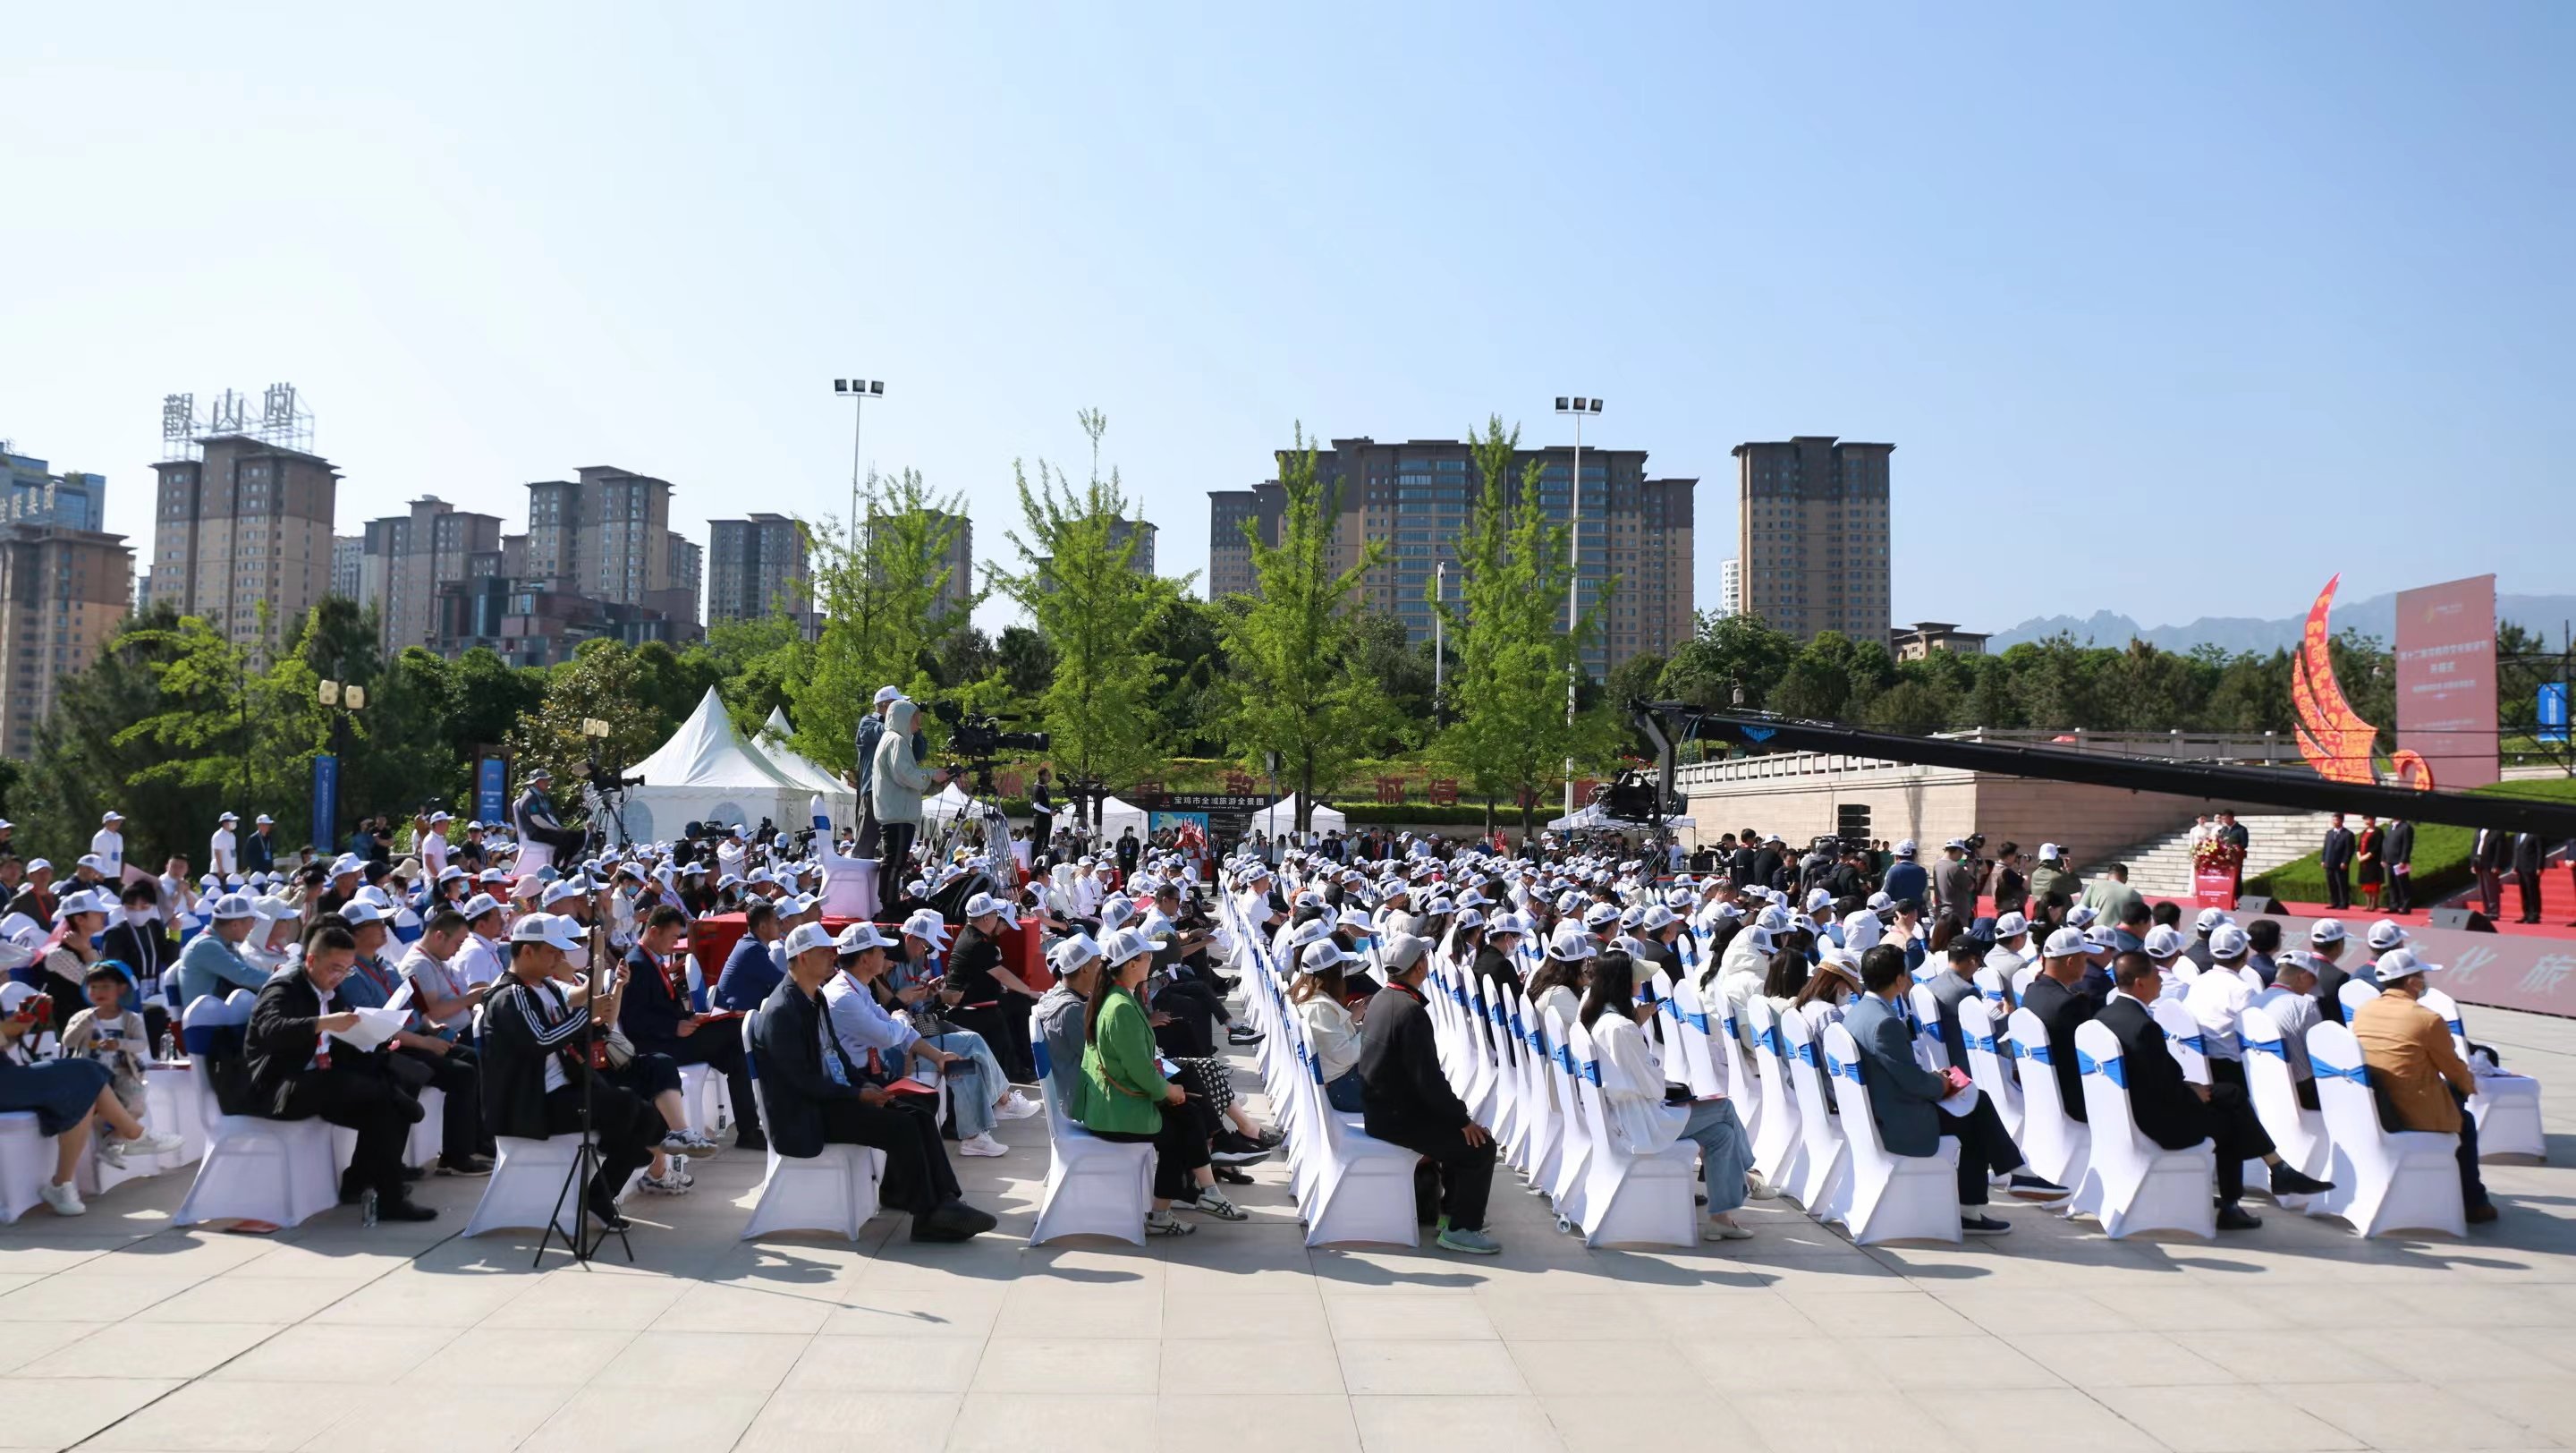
column 2441, row 853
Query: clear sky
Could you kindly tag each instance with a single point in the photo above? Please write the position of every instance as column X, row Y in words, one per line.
column 2170, row 310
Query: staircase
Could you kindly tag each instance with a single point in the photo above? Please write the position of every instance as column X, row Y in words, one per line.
column 2160, row 867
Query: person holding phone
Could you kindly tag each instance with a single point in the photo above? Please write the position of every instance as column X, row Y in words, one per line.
column 1407, row 1101
column 65, row 1095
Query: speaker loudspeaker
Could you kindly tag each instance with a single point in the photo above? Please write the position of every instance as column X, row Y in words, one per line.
column 2258, row 903
column 2467, row 919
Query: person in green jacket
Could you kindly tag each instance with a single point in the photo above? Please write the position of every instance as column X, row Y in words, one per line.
column 1124, row 1097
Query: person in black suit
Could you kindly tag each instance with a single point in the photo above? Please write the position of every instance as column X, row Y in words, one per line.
column 2176, row 1114
column 659, row 1021
column 2397, row 851
column 2487, row 857
column 2527, row 853
column 2336, row 858
column 297, row 1073
column 537, row 1033
column 1407, row 1101
column 2058, row 1000
column 818, row 1097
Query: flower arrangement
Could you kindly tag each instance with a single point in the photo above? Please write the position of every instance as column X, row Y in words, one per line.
column 2216, row 855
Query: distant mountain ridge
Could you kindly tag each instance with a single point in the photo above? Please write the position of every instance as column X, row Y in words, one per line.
column 2376, row 616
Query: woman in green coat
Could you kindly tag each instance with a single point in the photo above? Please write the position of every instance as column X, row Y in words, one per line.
column 1124, row 1097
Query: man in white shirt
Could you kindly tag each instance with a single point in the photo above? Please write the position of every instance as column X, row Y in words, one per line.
column 2217, row 996
column 2292, row 1003
column 433, row 845
column 108, row 843
column 478, row 958
column 220, row 856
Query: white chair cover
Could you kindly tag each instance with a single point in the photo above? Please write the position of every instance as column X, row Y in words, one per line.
column 1820, row 1177
column 280, row 1171
column 2055, row 1143
column 2138, row 1185
column 1093, row 1186
column 2384, row 1180
column 1893, row 1197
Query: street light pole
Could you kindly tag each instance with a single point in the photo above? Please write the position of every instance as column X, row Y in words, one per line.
column 1440, row 598
column 858, row 391
column 1578, row 407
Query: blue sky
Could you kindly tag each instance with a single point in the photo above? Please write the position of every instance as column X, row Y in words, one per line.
column 2169, row 310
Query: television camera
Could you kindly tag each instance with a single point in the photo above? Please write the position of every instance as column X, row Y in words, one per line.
column 979, row 738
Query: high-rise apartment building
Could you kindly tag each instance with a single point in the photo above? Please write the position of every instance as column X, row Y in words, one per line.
column 348, row 552
column 244, row 523
column 1811, row 535
column 1730, row 587
column 606, row 534
column 958, row 590
column 756, row 568
column 404, row 559
column 62, row 591
column 1420, row 494
column 38, row 496
column 1229, row 553
column 1122, row 531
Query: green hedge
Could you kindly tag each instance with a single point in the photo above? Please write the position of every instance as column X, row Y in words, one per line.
column 2441, row 853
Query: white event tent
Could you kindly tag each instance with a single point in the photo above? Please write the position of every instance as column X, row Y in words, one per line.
column 1281, row 816
column 706, row 772
column 839, row 798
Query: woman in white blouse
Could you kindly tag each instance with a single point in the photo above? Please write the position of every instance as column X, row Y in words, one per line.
column 1646, row 1112
column 1331, row 1028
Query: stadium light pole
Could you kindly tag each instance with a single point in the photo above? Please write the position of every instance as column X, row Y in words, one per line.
column 1440, row 599
column 858, row 391
column 1578, row 407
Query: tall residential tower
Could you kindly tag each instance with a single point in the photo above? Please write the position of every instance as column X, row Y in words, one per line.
column 1811, row 535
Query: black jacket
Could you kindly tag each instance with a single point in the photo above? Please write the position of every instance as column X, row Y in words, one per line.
column 2337, row 852
column 786, row 1039
column 257, row 852
column 1405, row 1096
column 651, row 1012
column 2059, row 1009
column 281, row 1039
column 2528, row 851
column 2398, row 846
column 149, row 954
column 2329, row 996
column 2489, row 851
column 523, row 1027
column 2166, row 1108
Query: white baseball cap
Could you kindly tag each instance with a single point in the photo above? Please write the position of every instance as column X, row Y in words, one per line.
column 234, row 906
column 1570, row 942
column 2011, row 924
column 1126, row 944
column 858, row 938
column 1320, row 955
column 554, row 929
column 2208, row 918
column 926, row 924
column 2386, row 935
column 2326, row 930
column 2400, row 963
column 358, row 912
column 479, row 905
column 2164, row 941
column 1905, row 849
column 804, row 938
column 984, row 903
column 888, row 693
column 2065, row 943
column 2227, row 941
column 1072, row 952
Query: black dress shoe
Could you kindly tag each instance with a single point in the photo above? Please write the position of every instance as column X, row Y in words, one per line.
column 2289, row 1181
column 1230, row 1175
column 2233, row 1217
column 405, row 1209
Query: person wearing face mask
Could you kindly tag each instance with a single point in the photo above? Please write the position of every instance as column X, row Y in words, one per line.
column 141, row 941
column 299, row 1071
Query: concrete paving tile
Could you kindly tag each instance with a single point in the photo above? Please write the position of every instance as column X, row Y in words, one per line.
column 523, row 1357
column 795, row 1421
column 56, row 1413
column 2033, row 1420
column 1260, row 1369
column 1627, row 1421
column 733, row 1361
column 1861, row 1421
column 2402, row 1415
column 233, row 1415
column 1071, row 1365
column 1434, row 1315
column 1404, row 1424
column 2231, row 1418
column 1065, row 1422
column 1373, row 1367
column 291, row 1354
column 161, row 1349
column 1288, row 1423
column 895, row 1364
column 606, row 1418
column 242, row 1296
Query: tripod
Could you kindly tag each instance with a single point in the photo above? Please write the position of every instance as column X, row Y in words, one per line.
column 583, row 1241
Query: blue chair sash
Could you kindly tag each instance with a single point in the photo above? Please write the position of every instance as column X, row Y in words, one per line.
column 1591, row 1070
column 1985, row 1042
column 2197, row 1044
column 2035, row 1053
column 1849, row 1071
column 2271, row 1047
column 2358, row 1074
column 1807, row 1055
column 2113, row 1069
column 1564, row 1059
column 1695, row 1020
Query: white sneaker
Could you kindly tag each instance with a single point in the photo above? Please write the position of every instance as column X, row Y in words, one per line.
column 1016, row 1106
column 64, row 1199
column 151, row 1142
column 983, row 1144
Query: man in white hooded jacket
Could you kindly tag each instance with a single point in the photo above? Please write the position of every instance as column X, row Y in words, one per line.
column 895, row 789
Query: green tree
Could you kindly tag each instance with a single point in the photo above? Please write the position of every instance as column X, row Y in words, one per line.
column 1303, row 693
column 606, row 681
column 1079, row 585
column 85, row 762
column 1027, row 662
column 1514, row 656
column 885, row 606
column 1188, row 636
column 1727, row 653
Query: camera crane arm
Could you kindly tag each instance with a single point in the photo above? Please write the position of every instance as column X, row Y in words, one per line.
column 2259, row 786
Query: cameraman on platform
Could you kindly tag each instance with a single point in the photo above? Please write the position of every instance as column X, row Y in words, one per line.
column 542, row 835
column 895, row 789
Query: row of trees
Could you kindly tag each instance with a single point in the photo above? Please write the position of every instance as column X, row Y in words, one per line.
column 1126, row 671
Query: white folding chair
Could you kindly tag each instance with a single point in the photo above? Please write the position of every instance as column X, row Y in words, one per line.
column 1930, row 1050
column 526, row 1187
column 2055, row 1143
column 2183, row 1038
column 26, row 1163
column 833, row 1191
column 1991, row 988
column 1687, row 1028
column 2384, row 1180
column 1892, row 1197
column 1573, row 1169
column 1820, row 1176
column 283, row 1172
column 2353, row 995
column 1094, row 1187
column 1780, row 1142
column 1363, row 1189
column 2297, row 1132
column 1631, row 1197
column 1987, row 1065
column 2506, row 1105
column 2137, row 1184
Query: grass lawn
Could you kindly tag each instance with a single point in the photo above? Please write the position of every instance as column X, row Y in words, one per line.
column 2441, row 853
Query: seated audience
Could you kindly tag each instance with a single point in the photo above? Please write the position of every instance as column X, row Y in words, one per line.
column 1406, row 1101
column 2424, row 1083
column 298, row 1071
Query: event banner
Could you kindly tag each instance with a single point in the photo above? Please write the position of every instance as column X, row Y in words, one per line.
column 2446, row 679
column 2509, row 971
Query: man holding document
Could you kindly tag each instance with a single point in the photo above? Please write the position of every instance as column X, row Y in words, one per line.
column 1915, row 1107
column 310, row 1054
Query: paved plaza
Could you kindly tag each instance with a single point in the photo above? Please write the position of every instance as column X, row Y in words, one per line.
column 118, row 1332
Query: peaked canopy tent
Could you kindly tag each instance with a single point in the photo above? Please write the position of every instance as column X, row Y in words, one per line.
column 839, row 797
column 706, row 772
column 1281, row 816
column 1117, row 815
